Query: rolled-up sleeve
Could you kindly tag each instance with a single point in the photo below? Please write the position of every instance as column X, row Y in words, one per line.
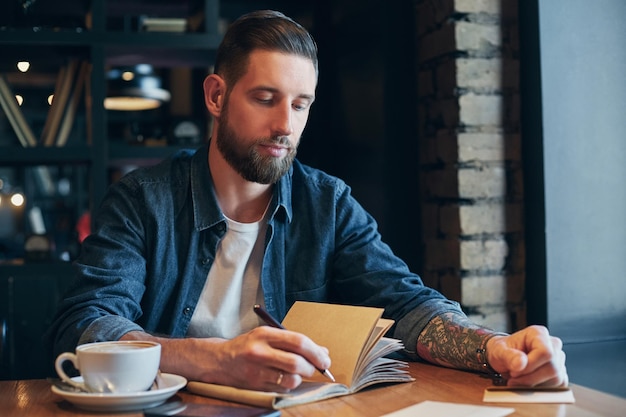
column 108, row 328
column 411, row 325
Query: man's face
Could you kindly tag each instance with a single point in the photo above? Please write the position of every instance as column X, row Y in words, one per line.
column 264, row 115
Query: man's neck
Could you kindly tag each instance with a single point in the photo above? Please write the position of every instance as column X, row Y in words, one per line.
column 240, row 200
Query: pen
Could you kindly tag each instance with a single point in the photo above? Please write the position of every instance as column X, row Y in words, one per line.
column 271, row 321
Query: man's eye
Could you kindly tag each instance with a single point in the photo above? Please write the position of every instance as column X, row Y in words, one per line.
column 264, row 100
column 301, row 106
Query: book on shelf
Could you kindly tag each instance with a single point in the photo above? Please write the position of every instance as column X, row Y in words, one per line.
column 14, row 114
column 68, row 90
column 24, row 133
column 58, row 85
column 358, row 349
column 162, row 24
column 72, row 104
column 59, row 101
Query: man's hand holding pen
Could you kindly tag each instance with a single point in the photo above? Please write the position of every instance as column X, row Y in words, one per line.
column 263, row 359
column 272, row 322
column 271, row 359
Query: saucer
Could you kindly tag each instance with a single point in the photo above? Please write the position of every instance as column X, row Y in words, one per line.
column 127, row 401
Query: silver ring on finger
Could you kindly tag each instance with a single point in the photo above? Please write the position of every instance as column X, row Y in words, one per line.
column 279, row 380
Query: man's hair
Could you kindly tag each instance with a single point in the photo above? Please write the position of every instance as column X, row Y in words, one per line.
column 266, row 30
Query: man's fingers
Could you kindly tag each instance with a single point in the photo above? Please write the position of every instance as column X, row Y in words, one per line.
column 541, row 348
column 530, row 357
column 522, row 352
column 517, row 360
column 278, row 381
column 297, row 350
column 504, row 358
column 551, row 374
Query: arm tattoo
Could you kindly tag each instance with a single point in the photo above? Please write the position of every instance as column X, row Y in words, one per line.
column 452, row 340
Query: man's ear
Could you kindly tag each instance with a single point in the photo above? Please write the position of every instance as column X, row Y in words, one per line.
column 214, row 91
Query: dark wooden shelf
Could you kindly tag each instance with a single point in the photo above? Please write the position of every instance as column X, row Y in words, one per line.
column 184, row 40
column 118, row 153
column 30, row 36
column 160, row 49
column 121, row 154
column 45, row 155
column 23, row 268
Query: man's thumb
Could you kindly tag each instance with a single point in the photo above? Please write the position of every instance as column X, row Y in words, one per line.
column 516, row 360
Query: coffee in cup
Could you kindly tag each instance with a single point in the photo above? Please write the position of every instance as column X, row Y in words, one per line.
column 123, row 366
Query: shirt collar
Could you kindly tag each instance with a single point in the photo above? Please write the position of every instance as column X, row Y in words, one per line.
column 206, row 210
column 282, row 196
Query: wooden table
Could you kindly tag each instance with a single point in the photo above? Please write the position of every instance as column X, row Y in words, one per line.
column 34, row 398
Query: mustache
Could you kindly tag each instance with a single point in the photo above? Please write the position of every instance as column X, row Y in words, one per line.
column 280, row 140
column 276, row 140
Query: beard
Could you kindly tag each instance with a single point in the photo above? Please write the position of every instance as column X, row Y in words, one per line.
column 246, row 160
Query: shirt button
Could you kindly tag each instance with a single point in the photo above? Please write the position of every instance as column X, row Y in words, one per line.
column 187, row 311
column 221, row 227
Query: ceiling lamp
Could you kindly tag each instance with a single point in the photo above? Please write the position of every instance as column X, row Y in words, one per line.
column 134, row 88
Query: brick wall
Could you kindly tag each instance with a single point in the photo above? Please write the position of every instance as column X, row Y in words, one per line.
column 469, row 130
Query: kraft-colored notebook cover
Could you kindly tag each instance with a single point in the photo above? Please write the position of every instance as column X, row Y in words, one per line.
column 354, row 337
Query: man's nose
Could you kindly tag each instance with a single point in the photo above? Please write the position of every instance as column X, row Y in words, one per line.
column 283, row 120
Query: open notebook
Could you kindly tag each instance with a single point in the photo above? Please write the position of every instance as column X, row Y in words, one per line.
column 354, row 337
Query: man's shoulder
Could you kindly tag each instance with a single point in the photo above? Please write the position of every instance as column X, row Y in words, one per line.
column 303, row 174
column 175, row 167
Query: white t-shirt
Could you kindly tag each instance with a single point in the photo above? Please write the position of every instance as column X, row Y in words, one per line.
column 233, row 284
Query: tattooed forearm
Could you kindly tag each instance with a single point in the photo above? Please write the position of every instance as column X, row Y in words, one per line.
column 452, row 340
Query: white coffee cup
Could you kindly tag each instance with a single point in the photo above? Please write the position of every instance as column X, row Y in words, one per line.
column 123, row 366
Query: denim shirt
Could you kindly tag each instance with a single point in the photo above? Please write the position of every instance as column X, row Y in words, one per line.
column 157, row 231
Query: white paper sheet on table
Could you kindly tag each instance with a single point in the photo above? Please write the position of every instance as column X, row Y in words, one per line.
column 443, row 409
